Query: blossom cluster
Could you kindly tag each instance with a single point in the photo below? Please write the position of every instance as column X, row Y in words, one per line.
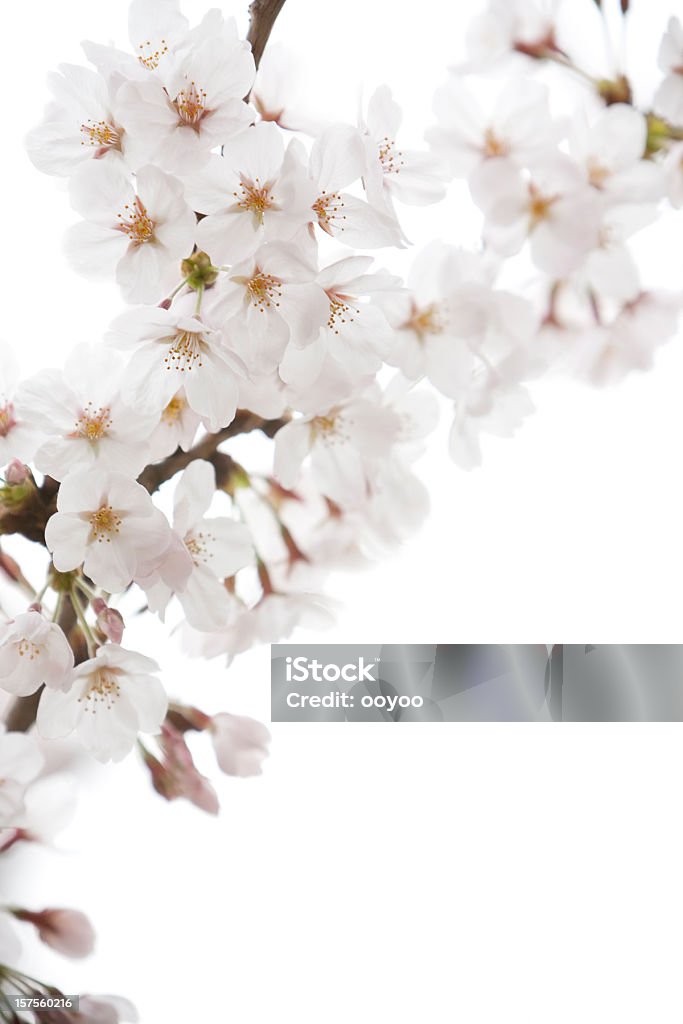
column 243, row 250
column 262, row 262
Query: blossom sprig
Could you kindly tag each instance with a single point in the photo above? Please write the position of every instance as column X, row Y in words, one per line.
column 270, row 286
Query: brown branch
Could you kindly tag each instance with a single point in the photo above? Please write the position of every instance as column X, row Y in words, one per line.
column 262, row 15
column 244, row 422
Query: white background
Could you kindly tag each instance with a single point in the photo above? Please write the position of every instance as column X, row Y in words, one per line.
column 472, row 873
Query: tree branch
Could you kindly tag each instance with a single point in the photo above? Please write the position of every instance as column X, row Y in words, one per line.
column 244, row 422
column 262, row 15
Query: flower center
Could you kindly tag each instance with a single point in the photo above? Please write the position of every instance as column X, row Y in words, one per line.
column 327, row 208
column 103, row 691
column 150, row 55
column 598, row 173
column 93, row 424
column 100, row 134
column 390, row 158
column 197, row 545
column 191, row 105
column 425, row 321
column 539, row 206
column 493, row 145
column 103, row 524
column 27, row 649
column 340, row 311
column 174, row 410
column 185, row 352
column 135, row 222
column 264, row 290
column 255, row 198
column 7, row 420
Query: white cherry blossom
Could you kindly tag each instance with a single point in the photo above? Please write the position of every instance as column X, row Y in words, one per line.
column 138, row 231
column 218, row 547
column 171, row 350
column 82, row 123
column 553, row 208
column 668, row 100
column 611, row 151
column 518, row 126
column 177, row 427
column 392, row 172
column 20, row 764
column 268, row 301
column 33, row 652
column 19, row 437
column 255, row 192
column 338, row 159
column 82, row 415
column 194, row 102
column 108, row 524
column 114, row 696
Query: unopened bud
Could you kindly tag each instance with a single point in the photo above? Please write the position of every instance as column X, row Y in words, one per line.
column 17, row 473
column 617, row 90
column 68, row 931
column 658, row 134
column 109, row 621
column 198, row 271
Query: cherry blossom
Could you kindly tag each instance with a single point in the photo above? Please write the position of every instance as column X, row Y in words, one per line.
column 108, row 524
column 139, row 232
column 20, row 763
column 338, row 159
column 81, row 124
column 83, row 417
column 518, row 127
column 268, row 301
column 255, row 192
column 19, row 438
column 553, row 208
column 173, row 351
column 33, row 652
column 114, row 696
column 391, row 172
column 241, row 743
column 668, row 100
column 218, row 547
column 194, row 102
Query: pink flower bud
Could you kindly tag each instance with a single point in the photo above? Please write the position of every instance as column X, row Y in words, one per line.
column 109, row 621
column 68, row 931
column 16, row 473
column 241, row 744
column 176, row 775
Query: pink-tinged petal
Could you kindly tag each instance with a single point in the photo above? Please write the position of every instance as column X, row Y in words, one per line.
column 99, row 191
column 337, row 157
column 146, row 273
column 363, row 225
column 213, row 394
column 193, row 495
column 292, row 445
column 149, row 699
column 339, row 472
column 229, row 546
column 94, row 251
column 256, row 153
column 58, row 714
column 305, row 308
column 66, row 537
column 229, row 236
column 111, row 564
column 205, row 601
column 384, row 114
